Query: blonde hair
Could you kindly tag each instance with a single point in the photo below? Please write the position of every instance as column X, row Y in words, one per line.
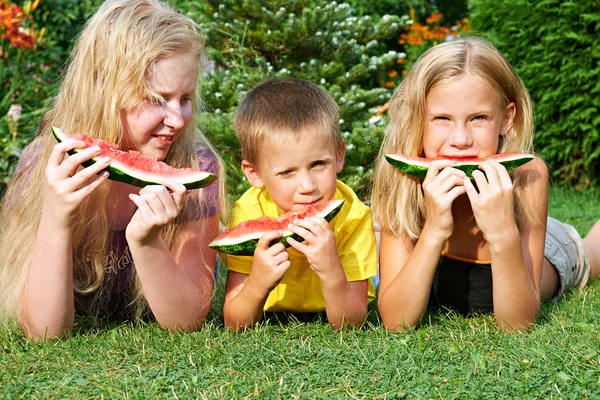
column 109, row 70
column 293, row 105
column 397, row 200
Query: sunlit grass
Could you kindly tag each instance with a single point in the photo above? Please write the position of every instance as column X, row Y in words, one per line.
column 301, row 357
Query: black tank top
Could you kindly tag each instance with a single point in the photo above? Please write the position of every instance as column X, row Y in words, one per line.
column 462, row 286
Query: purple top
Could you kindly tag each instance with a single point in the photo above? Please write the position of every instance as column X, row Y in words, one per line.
column 114, row 299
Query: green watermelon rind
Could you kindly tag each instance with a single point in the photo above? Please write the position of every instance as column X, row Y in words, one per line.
column 418, row 168
column 246, row 246
column 118, row 171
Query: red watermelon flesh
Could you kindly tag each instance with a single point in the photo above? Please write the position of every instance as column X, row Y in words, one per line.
column 418, row 166
column 242, row 239
column 135, row 168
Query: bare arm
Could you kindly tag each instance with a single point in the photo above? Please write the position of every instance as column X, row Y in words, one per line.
column 345, row 302
column 48, row 308
column 407, row 269
column 246, row 295
column 178, row 285
column 517, row 256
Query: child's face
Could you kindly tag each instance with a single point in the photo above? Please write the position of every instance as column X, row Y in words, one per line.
column 296, row 173
column 464, row 118
column 151, row 129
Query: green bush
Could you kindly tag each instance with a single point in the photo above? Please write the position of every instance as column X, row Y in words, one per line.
column 28, row 76
column 554, row 47
column 324, row 42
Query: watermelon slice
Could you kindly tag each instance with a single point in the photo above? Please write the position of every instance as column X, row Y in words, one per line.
column 418, row 166
column 242, row 239
column 135, row 168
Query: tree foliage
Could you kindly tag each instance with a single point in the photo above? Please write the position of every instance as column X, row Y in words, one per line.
column 321, row 41
column 554, row 47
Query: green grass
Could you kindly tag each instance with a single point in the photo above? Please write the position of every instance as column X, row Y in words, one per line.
column 301, row 357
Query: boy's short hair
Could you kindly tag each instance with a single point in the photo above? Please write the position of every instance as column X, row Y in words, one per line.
column 286, row 104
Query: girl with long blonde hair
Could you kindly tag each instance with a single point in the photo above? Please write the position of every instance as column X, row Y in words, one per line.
column 71, row 240
column 469, row 245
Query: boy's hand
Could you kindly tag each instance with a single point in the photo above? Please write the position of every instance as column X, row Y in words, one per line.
column 319, row 246
column 270, row 263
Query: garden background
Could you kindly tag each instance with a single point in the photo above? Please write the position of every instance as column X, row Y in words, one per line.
column 359, row 52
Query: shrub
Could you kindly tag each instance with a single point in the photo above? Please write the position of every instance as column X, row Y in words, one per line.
column 324, row 42
column 554, row 47
column 35, row 43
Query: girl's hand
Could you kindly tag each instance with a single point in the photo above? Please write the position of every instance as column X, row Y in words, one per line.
column 65, row 186
column 157, row 207
column 269, row 263
column 493, row 199
column 442, row 185
column 319, row 244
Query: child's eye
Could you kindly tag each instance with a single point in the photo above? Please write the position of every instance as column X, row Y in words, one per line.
column 319, row 163
column 480, row 118
column 441, row 118
column 284, row 174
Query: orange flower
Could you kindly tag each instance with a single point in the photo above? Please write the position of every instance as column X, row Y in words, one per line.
column 389, row 84
column 392, row 74
column 432, row 19
column 11, row 26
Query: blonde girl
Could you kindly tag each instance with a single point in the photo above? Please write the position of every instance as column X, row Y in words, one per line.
column 72, row 240
column 467, row 245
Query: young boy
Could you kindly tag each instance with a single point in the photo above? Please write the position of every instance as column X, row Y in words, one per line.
column 292, row 150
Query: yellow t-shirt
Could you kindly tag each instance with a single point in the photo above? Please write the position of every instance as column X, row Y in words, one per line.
column 300, row 288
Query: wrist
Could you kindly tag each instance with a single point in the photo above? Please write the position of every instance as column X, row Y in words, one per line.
column 334, row 276
column 506, row 240
column 435, row 237
column 257, row 288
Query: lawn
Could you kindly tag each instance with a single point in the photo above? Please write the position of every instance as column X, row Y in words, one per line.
column 301, row 357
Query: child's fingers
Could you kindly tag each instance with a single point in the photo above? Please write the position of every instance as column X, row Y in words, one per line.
column 92, row 185
column 302, row 232
column 263, row 242
column 301, row 247
column 470, row 190
column 143, row 207
column 491, row 172
column 480, row 180
column 167, row 201
column 59, row 150
column 434, row 169
column 85, row 175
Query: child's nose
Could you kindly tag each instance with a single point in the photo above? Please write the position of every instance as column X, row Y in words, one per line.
column 174, row 116
column 307, row 183
column 461, row 137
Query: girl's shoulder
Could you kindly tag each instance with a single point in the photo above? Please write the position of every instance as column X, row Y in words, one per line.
column 534, row 174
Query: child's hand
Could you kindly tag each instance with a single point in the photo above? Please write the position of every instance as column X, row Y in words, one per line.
column 66, row 187
column 493, row 200
column 442, row 185
column 269, row 263
column 156, row 208
column 319, row 246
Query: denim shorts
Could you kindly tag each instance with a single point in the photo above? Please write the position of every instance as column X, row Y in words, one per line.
column 565, row 250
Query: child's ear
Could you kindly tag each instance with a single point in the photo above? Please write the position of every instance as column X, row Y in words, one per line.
column 509, row 117
column 339, row 158
column 252, row 174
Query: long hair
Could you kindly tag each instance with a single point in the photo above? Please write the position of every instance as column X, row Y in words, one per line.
column 108, row 72
column 397, row 199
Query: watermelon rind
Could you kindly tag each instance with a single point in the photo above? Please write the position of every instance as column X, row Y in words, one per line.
column 418, row 166
column 245, row 246
column 123, row 173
